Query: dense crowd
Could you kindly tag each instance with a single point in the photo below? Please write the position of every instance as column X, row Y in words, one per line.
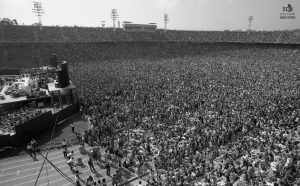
column 10, row 120
column 98, row 34
column 79, row 52
column 227, row 117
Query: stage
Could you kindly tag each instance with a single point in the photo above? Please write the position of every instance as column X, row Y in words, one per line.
column 51, row 87
column 10, row 99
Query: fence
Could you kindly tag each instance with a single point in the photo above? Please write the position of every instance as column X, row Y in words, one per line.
column 30, row 129
column 51, row 145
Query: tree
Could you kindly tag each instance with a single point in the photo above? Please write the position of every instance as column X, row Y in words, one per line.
column 6, row 21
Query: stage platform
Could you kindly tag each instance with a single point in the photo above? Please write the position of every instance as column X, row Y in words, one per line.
column 11, row 104
column 9, row 99
column 51, row 87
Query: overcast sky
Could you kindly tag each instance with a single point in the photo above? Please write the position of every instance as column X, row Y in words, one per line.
column 183, row 14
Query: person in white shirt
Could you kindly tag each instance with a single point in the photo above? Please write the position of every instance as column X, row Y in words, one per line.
column 64, row 144
column 71, row 163
column 71, row 154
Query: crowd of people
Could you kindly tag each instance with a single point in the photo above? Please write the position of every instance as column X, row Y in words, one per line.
column 225, row 114
column 227, row 117
column 98, row 34
column 10, row 120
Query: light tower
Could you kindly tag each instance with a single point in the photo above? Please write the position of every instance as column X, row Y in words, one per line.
column 250, row 19
column 114, row 17
column 38, row 11
column 103, row 24
column 167, row 20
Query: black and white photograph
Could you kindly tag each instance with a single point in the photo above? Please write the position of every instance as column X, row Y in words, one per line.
column 150, row 92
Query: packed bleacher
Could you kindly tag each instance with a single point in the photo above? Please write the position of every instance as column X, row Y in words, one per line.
column 229, row 116
column 98, row 34
column 58, row 39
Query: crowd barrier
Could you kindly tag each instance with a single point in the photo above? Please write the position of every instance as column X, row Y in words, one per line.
column 51, row 145
column 5, row 140
column 36, row 126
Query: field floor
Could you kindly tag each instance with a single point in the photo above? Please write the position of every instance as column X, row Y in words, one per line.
column 17, row 168
column 23, row 170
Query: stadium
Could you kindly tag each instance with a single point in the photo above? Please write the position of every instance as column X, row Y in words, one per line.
column 136, row 104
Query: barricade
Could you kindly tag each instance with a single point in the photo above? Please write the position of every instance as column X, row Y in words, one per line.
column 70, row 142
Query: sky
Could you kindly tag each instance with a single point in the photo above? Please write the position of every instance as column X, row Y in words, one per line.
column 183, row 14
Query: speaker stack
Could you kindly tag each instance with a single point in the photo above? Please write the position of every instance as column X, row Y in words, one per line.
column 64, row 67
column 63, row 75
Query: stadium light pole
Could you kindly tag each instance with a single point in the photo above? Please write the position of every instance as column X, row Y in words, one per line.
column 250, row 19
column 114, row 16
column 38, row 11
column 166, row 20
column 103, row 24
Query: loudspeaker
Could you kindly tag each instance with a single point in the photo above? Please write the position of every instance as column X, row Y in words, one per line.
column 58, row 72
column 61, row 79
column 64, row 67
column 54, row 60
